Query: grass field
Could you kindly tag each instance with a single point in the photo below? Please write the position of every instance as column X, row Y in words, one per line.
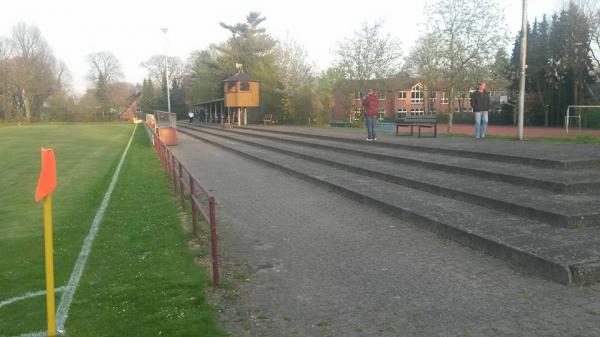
column 140, row 279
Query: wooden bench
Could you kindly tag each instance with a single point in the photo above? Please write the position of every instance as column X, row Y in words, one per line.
column 268, row 119
column 418, row 122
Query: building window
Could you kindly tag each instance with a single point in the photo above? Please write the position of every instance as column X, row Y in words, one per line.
column 417, row 112
column 432, row 96
column 244, row 86
column 444, row 97
column 402, row 95
column 382, row 95
column 232, row 87
column 401, row 113
column 416, row 94
column 358, row 95
column 432, row 111
column 381, row 114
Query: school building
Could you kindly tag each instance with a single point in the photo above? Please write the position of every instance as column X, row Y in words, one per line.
column 399, row 98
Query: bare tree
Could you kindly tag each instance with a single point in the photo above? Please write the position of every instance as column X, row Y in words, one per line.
column 63, row 76
column 369, row 54
column 295, row 76
column 295, row 70
column 469, row 32
column 425, row 61
column 104, row 65
column 31, row 67
column 156, row 68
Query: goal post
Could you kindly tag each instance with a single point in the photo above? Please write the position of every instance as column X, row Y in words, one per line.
column 576, row 116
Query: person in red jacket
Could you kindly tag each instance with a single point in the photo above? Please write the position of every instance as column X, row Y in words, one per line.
column 370, row 104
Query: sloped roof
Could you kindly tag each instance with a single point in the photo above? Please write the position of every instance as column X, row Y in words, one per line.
column 406, row 83
column 239, row 77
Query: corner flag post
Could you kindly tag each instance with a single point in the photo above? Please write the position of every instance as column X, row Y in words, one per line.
column 46, row 185
column 49, row 265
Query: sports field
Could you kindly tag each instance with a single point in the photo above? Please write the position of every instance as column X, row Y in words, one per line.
column 140, row 278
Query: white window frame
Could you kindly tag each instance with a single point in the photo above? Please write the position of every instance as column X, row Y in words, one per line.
column 416, row 93
column 445, row 99
column 417, row 112
column 381, row 114
column 401, row 111
column 402, row 95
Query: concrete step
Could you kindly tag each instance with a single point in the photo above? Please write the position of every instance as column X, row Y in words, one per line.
column 563, row 156
column 562, row 181
column 557, row 209
column 560, row 254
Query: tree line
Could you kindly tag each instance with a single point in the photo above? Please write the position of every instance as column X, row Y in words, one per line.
column 563, row 64
column 35, row 85
column 461, row 42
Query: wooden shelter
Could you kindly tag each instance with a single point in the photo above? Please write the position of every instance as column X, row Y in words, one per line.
column 241, row 92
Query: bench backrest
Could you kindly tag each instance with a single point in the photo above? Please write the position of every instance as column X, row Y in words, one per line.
column 419, row 119
column 268, row 117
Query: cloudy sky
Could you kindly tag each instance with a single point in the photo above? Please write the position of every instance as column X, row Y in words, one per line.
column 132, row 29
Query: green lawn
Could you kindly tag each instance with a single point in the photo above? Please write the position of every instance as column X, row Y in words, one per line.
column 140, row 279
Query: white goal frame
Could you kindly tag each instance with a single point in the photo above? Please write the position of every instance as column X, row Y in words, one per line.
column 578, row 116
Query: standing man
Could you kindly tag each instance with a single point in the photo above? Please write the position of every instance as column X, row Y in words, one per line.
column 480, row 102
column 370, row 103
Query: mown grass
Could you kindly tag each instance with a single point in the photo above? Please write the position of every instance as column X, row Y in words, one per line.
column 86, row 155
column 141, row 279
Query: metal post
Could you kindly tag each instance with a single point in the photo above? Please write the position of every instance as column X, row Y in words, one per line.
column 165, row 30
column 213, row 240
column 194, row 219
column 522, row 71
column 174, row 171
column 181, row 191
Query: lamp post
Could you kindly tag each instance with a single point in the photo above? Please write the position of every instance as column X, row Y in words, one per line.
column 522, row 71
column 165, row 30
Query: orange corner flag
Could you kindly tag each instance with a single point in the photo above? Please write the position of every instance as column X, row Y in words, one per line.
column 47, row 181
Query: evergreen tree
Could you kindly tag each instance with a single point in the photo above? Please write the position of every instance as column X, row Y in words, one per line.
column 148, row 98
column 102, row 97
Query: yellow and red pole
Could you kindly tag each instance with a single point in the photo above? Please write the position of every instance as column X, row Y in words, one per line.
column 47, row 184
column 49, row 265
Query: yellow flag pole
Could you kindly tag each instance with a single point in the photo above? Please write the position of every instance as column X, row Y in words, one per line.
column 49, row 265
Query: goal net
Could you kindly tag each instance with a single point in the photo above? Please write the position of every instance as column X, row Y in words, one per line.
column 579, row 116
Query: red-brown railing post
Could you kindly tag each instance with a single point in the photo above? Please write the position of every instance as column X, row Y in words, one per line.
column 213, row 239
column 194, row 220
column 174, row 172
column 181, row 191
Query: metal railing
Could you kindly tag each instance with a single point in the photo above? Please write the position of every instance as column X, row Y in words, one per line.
column 184, row 183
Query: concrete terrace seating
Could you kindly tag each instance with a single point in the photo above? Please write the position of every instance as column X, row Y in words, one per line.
column 418, row 122
column 535, row 205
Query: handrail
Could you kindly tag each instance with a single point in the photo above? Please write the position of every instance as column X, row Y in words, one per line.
column 177, row 173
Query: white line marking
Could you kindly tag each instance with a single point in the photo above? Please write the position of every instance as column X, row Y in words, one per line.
column 67, row 297
column 34, row 334
column 27, row 295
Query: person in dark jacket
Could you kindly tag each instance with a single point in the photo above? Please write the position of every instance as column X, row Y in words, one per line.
column 370, row 104
column 480, row 102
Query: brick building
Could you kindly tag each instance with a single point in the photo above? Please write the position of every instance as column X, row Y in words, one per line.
column 409, row 97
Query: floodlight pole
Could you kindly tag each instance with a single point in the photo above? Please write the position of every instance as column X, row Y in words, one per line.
column 165, row 30
column 524, row 32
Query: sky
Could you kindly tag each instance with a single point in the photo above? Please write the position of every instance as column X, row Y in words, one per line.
column 132, row 29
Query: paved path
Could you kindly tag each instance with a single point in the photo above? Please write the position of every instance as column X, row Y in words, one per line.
column 323, row 265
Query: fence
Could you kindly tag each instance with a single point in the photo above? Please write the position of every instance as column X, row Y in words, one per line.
column 184, row 183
